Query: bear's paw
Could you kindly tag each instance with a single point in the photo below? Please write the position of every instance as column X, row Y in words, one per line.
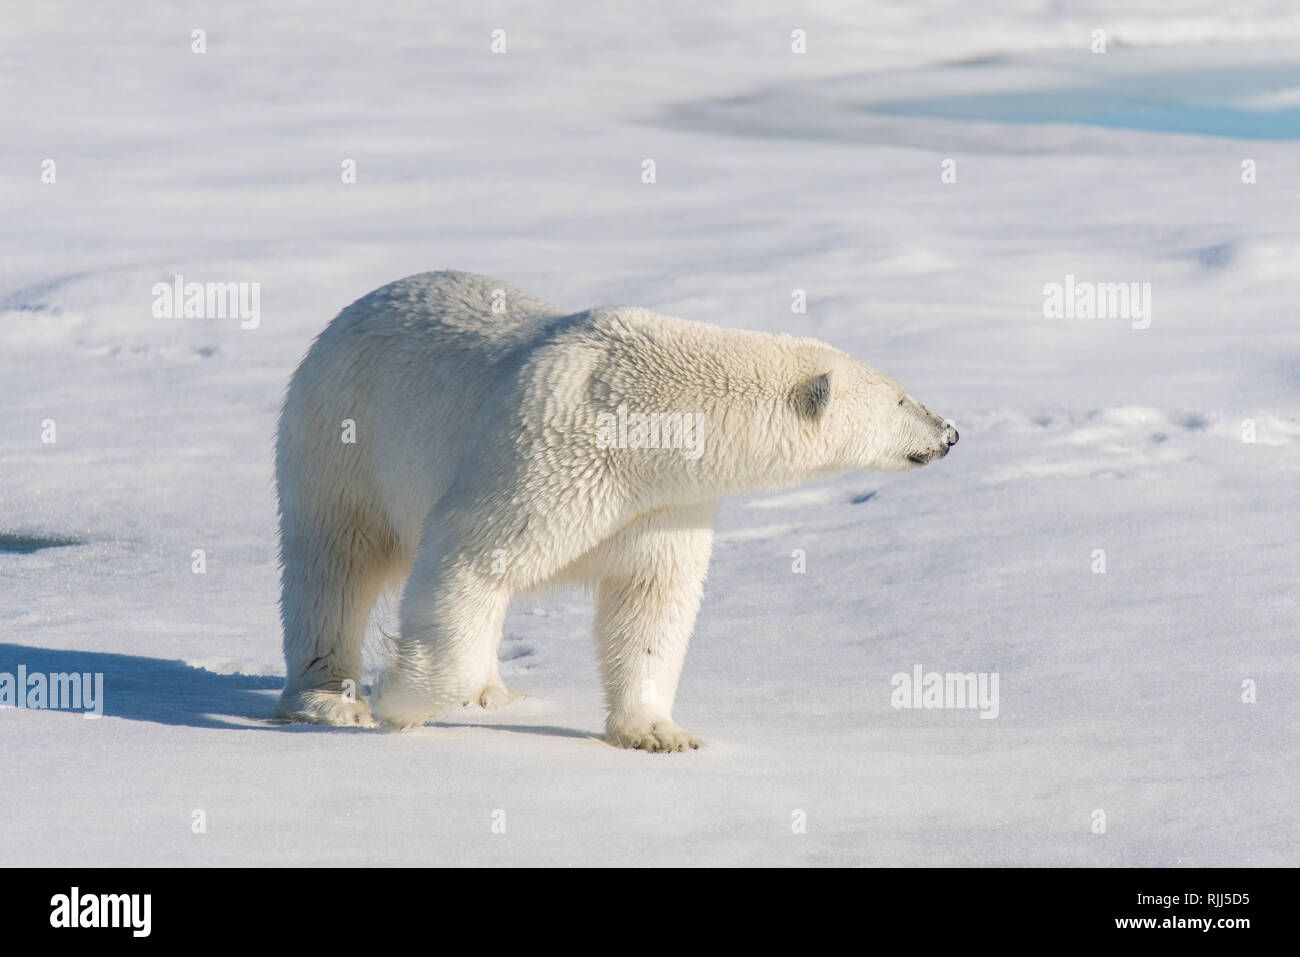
column 495, row 696
column 327, row 708
column 656, row 736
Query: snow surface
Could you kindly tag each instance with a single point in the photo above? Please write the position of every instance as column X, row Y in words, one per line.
column 1119, row 691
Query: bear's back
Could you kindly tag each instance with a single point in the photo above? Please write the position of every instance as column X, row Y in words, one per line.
column 443, row 305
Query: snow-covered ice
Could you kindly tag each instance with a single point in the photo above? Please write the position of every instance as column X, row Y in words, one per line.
column 1120, row 692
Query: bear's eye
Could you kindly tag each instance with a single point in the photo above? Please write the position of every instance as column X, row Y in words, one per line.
column 901, row 399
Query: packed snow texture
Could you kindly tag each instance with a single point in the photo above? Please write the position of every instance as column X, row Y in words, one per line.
column 1120, row 692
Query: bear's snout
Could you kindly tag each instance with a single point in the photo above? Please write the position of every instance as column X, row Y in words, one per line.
column 944, row 438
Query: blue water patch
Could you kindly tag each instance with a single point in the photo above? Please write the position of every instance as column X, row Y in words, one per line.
column 1256, row 104
column 17, row 544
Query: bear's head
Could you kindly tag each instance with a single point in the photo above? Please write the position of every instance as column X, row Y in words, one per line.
column 858, row 418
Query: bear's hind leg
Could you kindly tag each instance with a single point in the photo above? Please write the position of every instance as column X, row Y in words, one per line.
column 329, row 589
column 451, row 625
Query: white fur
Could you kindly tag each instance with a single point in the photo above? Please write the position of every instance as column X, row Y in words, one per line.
column 477, row 474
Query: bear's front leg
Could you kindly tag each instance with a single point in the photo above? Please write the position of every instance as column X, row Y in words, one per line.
column 645, row 613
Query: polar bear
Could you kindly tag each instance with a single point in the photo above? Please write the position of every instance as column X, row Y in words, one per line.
column 454, row 433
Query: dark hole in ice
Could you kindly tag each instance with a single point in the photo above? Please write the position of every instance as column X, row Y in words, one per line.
column 16, row 543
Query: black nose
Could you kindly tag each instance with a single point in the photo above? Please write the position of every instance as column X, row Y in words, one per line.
column 955, row 436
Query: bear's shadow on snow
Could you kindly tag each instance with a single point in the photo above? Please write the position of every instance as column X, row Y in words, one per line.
column 156, row 689
column 171, row 692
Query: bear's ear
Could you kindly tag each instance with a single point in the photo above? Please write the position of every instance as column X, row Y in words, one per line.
column 811, row 398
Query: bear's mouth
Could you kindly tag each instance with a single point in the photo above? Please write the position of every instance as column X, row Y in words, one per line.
column 925, row 458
